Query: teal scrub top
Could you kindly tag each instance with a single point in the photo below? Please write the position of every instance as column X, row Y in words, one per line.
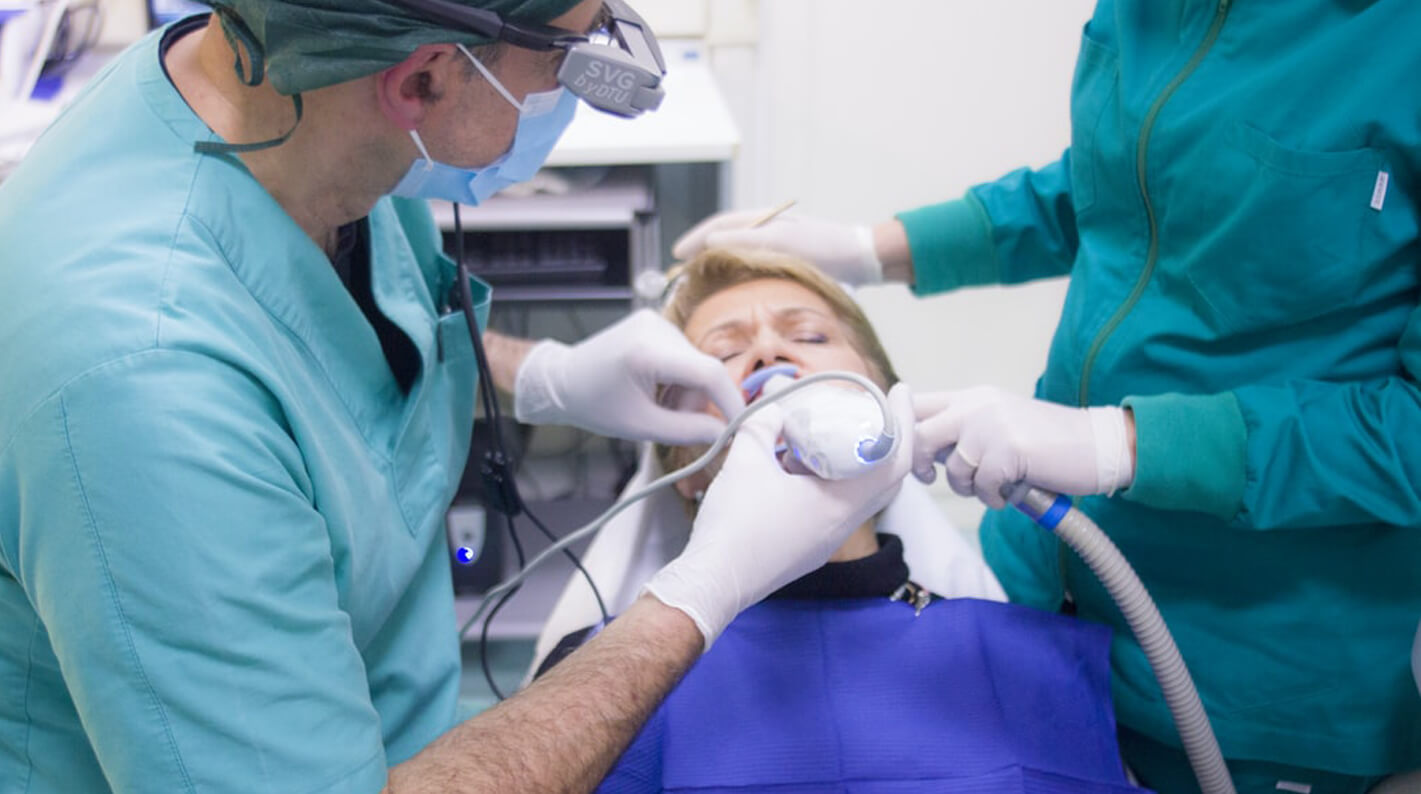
column 222, row 557
column 1238, row 214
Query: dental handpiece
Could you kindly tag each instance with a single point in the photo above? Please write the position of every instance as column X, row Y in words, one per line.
column 834, row 432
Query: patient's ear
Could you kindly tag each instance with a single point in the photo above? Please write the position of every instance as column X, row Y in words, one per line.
column 693, row 486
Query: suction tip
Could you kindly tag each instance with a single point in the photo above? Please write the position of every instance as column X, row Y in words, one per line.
column 751, row 387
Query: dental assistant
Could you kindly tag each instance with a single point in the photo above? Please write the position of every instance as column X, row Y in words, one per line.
column 1232, row 387
column 235, row 405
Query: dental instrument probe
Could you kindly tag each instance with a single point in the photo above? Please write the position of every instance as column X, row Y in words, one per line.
column 890, row 432
column 772, row 214
column 1056, row 514
column 652, row 285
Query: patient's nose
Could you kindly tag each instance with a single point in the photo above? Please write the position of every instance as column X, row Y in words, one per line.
column 768, row 352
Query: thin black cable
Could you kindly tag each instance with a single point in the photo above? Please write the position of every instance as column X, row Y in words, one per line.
column 500, row 487
column 513, row 535
column 483, row 633
column 547, row 533
column 483, row 644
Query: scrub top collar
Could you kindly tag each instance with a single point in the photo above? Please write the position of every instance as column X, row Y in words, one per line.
column 295, row 280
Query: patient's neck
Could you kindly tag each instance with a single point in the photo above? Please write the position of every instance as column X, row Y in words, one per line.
column 862, row 543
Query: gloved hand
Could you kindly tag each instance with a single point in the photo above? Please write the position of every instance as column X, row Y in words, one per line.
column 608, row 384
column 988, row 438
column 843, row 251
column 760, row 527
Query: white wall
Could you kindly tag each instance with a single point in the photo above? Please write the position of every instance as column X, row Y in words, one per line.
column 124, row 21
column 862, row 109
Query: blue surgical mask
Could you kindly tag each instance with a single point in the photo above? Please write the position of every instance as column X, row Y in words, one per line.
column 542, row 118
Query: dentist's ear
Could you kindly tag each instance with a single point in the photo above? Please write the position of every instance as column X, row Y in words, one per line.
column 405, row 91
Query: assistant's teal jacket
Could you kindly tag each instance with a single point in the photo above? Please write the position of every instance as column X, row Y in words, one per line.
column 1238, row 214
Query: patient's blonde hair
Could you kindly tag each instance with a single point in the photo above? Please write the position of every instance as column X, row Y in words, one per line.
column 719, row 269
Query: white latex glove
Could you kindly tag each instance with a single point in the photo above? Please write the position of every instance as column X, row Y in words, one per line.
column 608, row 384
column 988, row 438
column 843, row 251
column 760, row 527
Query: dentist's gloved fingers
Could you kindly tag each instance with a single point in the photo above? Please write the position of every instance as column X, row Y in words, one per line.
column 842, row 250
column 961, row 472
column 694, row 241
column 997, row 438
column 680, row 428
column 760, row 527
column 709, row 581
column 694, row 371
column 938, row 428
column 608, row 383
column 872, row 491
column 757, row 436
column 927, row 474
column 930, row 403
column 983, row 479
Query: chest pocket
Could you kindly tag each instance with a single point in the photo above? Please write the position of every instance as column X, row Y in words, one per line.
column 1285, row 242
column 433, row 445
column 1092, row 90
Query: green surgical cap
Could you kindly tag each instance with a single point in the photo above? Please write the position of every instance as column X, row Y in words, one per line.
column 302, row 45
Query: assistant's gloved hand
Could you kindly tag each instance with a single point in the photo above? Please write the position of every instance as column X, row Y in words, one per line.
column 608, row 384
column 760, row 527
column 988, row 438
column 843, row 251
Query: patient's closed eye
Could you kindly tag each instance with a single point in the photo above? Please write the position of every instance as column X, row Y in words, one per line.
column 807, row 331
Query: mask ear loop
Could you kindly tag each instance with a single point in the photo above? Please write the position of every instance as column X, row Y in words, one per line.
column 423, row 152
column 488, row 75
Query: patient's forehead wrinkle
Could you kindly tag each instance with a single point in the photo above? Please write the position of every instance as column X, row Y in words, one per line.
column 739, row 324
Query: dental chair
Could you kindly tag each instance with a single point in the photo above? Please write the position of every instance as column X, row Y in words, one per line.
column 649, row 534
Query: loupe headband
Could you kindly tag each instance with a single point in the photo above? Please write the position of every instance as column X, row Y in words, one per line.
column 624, row 80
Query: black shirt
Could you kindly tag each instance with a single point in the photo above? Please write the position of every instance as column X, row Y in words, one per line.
column 881, row 574
column 352, row 263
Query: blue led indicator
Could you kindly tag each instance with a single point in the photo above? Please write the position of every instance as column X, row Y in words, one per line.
column 465, row 555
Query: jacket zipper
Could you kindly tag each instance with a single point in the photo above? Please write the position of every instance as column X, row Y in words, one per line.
column 1141, row 149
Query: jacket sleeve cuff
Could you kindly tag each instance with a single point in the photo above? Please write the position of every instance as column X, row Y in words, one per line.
column 951, row 245
column 1189, row 453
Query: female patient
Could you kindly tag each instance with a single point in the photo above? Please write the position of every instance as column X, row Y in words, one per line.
column 853, row 677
